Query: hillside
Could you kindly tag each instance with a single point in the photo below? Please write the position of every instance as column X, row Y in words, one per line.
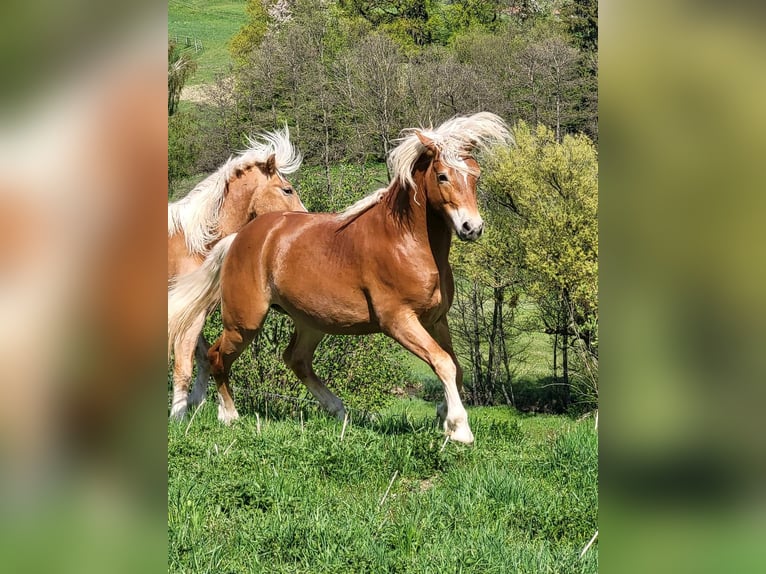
column 212, row 23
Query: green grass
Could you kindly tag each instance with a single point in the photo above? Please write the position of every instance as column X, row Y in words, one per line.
column 214, row 23
column 292, row 499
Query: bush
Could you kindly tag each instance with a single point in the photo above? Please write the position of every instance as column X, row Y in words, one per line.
column 182, row 146
column 361, row 370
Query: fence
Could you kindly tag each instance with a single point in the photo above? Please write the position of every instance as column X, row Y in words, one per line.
column 189, row 42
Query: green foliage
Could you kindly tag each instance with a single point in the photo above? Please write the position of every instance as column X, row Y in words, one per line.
column 551, row 192
column 292, row 498
column 549, row 195
column 251, row 34
column 417, row 23
column 581, row 18
column 183, row 146
column 361, row 370
column 347, row 184
column 180, row 68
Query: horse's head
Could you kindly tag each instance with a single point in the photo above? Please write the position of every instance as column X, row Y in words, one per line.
column 450, row 187
column 260, row 188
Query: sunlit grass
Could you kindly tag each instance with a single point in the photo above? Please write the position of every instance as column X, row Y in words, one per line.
column 295, row 498
column 212, row 23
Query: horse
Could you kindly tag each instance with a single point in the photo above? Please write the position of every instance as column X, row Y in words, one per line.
column 246, row 186
column 382, row 265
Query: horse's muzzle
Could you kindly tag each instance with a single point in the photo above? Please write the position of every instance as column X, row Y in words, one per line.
column 469, row 231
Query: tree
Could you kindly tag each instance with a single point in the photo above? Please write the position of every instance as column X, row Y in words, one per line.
column 482, row 316
column 249, row 37
column 180, row 68
column 581, row 19
column 377, row 94
column 550, row 193
column 546, row 74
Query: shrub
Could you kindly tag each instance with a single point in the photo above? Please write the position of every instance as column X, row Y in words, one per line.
column 361, row 370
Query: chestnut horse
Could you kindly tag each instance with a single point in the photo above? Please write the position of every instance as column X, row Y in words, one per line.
column 380, row 266
column 250, row 184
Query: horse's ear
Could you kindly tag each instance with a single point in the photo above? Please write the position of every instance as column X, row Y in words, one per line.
column 431, row 148
column 271, row 165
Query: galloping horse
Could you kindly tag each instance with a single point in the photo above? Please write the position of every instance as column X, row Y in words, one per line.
column 381, row 265
column 247, row 185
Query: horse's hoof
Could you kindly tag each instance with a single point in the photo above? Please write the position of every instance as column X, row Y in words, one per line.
column 178, row 412
column 462, row 434
column 227, row 417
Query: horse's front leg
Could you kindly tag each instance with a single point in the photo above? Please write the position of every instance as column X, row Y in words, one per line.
column 408, row 331
column 440, row 332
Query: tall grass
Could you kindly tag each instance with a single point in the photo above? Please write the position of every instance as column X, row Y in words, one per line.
column 295, row 498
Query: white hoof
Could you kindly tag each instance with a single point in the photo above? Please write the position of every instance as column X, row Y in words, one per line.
column 227, row 417
column 458, row 430
column 178, row 411
column 462, row 434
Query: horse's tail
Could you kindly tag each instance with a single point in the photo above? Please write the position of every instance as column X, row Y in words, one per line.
column 197, row 292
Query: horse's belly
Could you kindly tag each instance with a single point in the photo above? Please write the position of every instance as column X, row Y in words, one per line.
column 330, row 313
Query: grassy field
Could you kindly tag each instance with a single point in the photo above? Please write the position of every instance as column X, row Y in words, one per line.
column 214, row 23
column 291, row 497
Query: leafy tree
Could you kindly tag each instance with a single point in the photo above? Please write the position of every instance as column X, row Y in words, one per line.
column 252, row 33
column 581, row 19
column 483, row 313
column 183, row 146
column 550, row 193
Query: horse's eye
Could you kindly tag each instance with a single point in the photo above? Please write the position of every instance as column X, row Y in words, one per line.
column 442, row 177
column 287, row 190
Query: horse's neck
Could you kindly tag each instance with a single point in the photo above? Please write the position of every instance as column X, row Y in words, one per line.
column 423, row 222
column 439, row 237
column 233, row 214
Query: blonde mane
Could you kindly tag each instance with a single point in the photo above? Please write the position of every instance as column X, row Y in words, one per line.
column 455, row 139
column 197, row 214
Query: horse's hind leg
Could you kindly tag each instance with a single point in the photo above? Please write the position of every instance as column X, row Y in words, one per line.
column 182, row 369
column 299, row 356
column 243, row 316
column 199, row 391
column 222, row 354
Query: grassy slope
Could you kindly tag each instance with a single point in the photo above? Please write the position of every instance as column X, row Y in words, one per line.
column 286, row 500
column 212, row 22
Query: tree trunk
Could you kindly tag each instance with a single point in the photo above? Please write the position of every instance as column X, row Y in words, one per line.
column 492, row 374
column 505, row 359
column 565, row 367
column 564, row 322
column 478, row 376
column 326, row 155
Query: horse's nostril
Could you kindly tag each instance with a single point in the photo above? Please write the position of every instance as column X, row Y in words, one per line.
column 466, row 226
